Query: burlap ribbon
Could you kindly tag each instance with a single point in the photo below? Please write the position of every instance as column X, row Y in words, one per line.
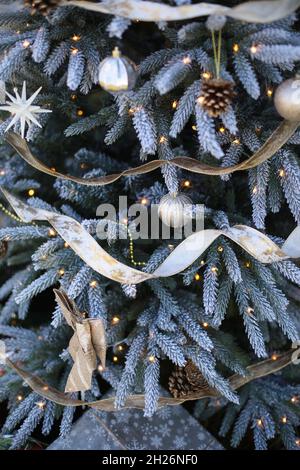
column 187, row 252
column 253, row 12
column 87, row 343
column 255, row 371
column 274, row 143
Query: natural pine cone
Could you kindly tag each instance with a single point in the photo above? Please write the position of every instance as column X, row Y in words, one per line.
column 43, row 7
column 185, row 381
column 216, row 95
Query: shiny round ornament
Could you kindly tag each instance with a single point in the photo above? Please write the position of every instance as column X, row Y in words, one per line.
column 175, row 209
column 287, row 99
column 117, row 73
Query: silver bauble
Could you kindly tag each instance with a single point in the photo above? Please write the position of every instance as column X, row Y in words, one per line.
column 117, row 73
column 175, row 209
column 287, row 99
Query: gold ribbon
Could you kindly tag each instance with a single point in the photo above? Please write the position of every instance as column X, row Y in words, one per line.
column 254, row 12
column 87, row 343
column 189, row 250
column 255, row 371
column 274, row 143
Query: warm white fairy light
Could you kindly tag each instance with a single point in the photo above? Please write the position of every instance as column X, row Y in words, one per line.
column 40, row 404
column 23, row 110
column 205, row 324
column 174, row 104
column 151, row 358
column 115, row 320
column 163, row 139
column 19, row 397
column 26, row 43
column 93, row 283
column 31, row 192
column 197, row 277
column 236, row 47
column 274, row 357
column 186, row 60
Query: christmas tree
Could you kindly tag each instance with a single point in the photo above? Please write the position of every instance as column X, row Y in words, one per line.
column 89, row 92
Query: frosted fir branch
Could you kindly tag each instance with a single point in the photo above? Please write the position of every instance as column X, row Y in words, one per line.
column 12, row 61
column 75, row 69
column 195, row 331
column 231, row 262
column 206, row 363
column 146, row 131
column 38, row 285
column 118, row 26
column 258, row 182
column 169, row 173
column 246, row 74
column 185, row 108
column 289, row 270
column 88, row 123
column 191, row 32
column 130, row 290
column 273, row 35
column 253, row 331
column 119, row 128
column 29, row 425
column 57, row 58
column 231, row 157
column 80, row 281
column 172, row 74
column 151, row 385
column 97, row 304
column 229, row 120
column 211, row 282
column 19, row 412
column 278, row 54
column 49, row 417
column 41, row 45
column 206, row 133
column 156, row 60
column 171, row 348
column 67, row 419
column 223, row 298
column 23, row 233
column 290, row 182
column 128, row 376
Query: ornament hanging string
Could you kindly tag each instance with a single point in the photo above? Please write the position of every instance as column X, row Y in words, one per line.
column 255, row 371
column 252, row 12
column 274, row 143
column 187, row 252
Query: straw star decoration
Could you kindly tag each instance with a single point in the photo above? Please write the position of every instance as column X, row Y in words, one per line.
column 23, row 110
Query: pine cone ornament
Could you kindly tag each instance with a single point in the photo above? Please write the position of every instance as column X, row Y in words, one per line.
column 44, row 7
column 185, row 381
column 216, row 95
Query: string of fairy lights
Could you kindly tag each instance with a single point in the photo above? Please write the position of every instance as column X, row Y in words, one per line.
column 186, row 184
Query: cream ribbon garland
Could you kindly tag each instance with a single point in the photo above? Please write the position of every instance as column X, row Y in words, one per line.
column 274, row 143
column 189, row 250
column 253, row 12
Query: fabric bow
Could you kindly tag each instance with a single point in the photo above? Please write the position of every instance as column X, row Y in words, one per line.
column 86, row 345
